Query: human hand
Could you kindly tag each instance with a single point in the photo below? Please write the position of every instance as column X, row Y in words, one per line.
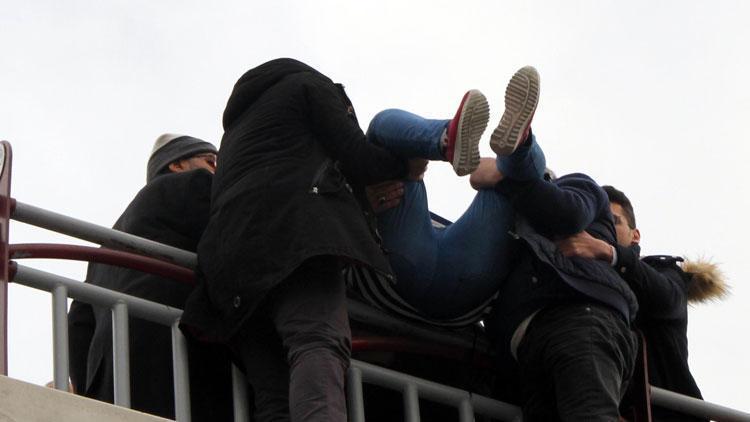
column 417, row 167
column 386, row 195
column 486, row 176
column 583, row 245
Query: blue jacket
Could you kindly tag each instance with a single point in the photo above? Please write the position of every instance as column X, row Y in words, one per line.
column 543, row 276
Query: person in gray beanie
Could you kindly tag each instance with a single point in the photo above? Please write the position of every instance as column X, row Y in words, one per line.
column 173, row 153
column 172, row 209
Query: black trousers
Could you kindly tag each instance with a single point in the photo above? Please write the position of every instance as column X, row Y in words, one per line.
column 575, row 362
column 296, row 348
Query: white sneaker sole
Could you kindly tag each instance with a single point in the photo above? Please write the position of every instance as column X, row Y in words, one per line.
column 475, row 115
column 521, row 98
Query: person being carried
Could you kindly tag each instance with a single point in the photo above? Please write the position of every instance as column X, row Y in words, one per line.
column 447, row 274
column 664, row 285
column 559, row 317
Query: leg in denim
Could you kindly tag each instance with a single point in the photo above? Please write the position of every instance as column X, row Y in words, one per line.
column 408, row 135
column 445, row 272
column 526, row 163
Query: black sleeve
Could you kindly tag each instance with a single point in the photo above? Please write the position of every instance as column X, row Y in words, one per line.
column 561, row 208
column 81, row 325
column 659, row 289
column 361, row 162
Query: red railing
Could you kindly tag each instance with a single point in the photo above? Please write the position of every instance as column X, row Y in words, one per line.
column 103, row 256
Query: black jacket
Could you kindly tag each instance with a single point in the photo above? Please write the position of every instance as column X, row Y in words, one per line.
column 543, row 276
column 662, row 290
column 291, row 160
column 171, row 209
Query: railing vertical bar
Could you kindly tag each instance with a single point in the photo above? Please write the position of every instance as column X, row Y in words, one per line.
column 181, row 375
column 465, row 411
column 411, row 403
column 239, row 396
column 60, row 337
column 121, row 354
column 354, row 395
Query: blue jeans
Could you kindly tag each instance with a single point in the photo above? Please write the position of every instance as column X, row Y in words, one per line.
column 446, row 272
column 407, row 135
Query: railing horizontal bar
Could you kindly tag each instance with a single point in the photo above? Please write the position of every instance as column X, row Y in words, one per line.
column 436, row 392
column 696, row 407
column 364, row 313
column 95, row 295
column 103, row 256
column 101, row 235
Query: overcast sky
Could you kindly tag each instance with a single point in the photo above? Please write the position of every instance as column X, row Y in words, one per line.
column 649, row 96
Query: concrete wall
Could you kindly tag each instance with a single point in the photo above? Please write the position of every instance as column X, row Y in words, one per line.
column 24, row 402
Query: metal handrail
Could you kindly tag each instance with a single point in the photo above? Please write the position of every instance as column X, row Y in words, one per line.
column 124, row 241
column 122, row 305
column 696, row 407
column 100, row 235
column 104, row 256
column 413, row 388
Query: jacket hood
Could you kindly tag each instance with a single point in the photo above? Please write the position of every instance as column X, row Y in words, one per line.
column 707, row 281
column 257, row 80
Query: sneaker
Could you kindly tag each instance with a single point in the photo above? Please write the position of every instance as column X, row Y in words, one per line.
column 521, row 98
column 464, row 131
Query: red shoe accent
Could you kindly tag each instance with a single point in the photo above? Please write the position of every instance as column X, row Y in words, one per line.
column 453, row 129
column 465, row 130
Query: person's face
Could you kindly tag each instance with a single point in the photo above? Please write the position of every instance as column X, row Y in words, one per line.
column 206, row 160
column 625, row 235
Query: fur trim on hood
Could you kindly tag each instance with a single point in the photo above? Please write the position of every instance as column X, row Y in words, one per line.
column 707, row 281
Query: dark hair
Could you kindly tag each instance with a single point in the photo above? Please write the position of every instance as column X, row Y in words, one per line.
column 618, row 197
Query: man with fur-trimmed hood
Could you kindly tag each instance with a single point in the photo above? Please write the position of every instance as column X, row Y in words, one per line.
column 664, row 285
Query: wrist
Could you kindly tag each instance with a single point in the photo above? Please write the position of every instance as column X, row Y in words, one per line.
column 606, row 252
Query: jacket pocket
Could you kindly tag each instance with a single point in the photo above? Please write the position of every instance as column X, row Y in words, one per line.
column 328, row 179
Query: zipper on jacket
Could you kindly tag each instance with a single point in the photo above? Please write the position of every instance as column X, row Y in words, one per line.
column 318, row 175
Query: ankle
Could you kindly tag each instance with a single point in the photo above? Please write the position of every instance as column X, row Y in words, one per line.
column 443, row 144
column 526, row 138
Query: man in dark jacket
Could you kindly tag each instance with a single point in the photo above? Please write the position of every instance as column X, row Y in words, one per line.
column 564, row 320
column 172, row 209
column 284, row 220
column 663, row 290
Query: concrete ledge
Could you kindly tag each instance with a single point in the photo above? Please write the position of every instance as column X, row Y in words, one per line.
column 24, row 402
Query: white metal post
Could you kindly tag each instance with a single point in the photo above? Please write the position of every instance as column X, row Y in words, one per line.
column 60, row 337
column 121, row 354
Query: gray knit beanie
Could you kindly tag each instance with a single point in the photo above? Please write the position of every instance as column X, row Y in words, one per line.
column 171, row 147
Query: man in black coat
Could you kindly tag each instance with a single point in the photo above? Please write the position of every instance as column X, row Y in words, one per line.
column 663, row 290
column 564, row 322
column 285, row 218
column 172, row 209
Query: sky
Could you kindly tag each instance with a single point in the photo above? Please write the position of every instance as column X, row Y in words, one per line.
column 649, row 96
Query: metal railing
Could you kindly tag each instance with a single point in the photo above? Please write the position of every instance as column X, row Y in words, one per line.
column 123, row 306
column 167, row 262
